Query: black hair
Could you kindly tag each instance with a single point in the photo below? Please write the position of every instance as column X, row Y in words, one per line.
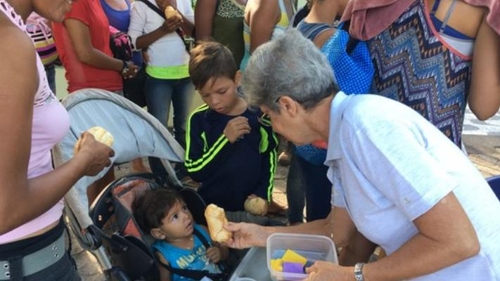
column 152, row 206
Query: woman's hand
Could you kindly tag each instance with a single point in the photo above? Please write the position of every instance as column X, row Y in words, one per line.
column 98, row 154
column 246, row 235
column 132, row 70
column 171, row 24
column 327, row 271
column 162, row 4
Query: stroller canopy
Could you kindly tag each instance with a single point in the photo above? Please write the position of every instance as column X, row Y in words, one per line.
column 136, row 134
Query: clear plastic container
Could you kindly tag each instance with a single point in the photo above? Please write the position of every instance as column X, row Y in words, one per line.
column 312, row 247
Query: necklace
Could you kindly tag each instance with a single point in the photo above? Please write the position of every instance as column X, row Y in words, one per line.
column 184, row 243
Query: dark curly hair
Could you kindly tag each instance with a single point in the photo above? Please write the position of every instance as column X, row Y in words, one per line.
column 152, row 206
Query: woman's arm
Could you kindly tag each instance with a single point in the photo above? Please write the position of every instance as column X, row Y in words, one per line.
column 167, row 27
column 440, row 242
column 484, row 95
column 23, row 199
column 359, row 250
column 187, row 14
column 138, row 19
column 79, row 34
column 203, row 19
column 262, row 21
column 338, row 226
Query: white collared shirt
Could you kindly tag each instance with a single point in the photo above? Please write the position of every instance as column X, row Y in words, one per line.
column 389, row 166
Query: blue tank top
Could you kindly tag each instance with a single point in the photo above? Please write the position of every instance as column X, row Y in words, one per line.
column 311, row 30
column 121, row 20
column 457, row 40
column 118, row 19
column 195, row 258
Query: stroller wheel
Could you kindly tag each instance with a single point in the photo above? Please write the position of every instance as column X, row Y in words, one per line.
column 116, row 274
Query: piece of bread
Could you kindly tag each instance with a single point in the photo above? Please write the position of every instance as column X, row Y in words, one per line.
column 171, row 12
column 256, row 206
column 216, row 219
column 100, row 134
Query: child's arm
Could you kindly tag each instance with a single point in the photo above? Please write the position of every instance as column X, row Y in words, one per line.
column 202, row 159
column 217, row 252
column 164, row 272
column 269, row 156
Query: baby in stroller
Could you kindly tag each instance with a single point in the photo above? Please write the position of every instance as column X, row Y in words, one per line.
column 182, row 246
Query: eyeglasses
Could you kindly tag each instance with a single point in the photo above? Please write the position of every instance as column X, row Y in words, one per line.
column 264, row 118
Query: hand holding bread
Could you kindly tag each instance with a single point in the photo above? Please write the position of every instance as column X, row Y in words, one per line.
column 97, row 156
column 256, row 206
column 173, row 20
column 100, row 134
column 216, row 219
column 171, row 12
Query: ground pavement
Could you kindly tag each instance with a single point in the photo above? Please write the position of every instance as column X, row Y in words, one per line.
column 481, row 139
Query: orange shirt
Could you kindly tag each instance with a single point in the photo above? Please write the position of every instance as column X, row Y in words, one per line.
column 78, row 74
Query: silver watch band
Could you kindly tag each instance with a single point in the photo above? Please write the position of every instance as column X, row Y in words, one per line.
column 358, row 271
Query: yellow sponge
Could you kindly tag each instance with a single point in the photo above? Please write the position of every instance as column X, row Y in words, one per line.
column 277, row 265
column 291, row 256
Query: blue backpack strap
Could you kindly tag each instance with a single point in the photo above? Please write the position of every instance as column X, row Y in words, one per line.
column 352, row 42
column 202, row 238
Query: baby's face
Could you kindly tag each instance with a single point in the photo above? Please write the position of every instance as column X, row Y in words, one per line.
column 178, row 223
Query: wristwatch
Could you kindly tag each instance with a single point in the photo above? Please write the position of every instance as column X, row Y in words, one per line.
column 125, row 68
column 358, row 271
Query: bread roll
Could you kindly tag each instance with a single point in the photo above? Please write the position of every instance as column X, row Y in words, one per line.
column 256, row 206
column 171, row 12
column 216, row 219
column 100, row 134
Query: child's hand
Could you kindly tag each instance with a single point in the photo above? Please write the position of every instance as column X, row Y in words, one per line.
column 236, row 128
column 252, row 196
column 214, row 254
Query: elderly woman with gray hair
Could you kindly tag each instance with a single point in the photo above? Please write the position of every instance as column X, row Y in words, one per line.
column 396, row 178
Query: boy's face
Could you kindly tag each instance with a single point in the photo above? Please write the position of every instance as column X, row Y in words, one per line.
column 220, row 94
column 178, row 223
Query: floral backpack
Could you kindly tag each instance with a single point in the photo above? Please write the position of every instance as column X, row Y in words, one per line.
column 120, row 44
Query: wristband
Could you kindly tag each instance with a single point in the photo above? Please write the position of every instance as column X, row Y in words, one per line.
column 125, row 67
column 358, row 271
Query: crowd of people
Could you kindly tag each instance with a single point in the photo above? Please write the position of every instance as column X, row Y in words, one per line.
column 266, row 74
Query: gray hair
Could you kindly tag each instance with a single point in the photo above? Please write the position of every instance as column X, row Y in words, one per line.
column 290, row 65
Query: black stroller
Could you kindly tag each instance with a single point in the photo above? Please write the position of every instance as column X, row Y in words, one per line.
column 137, row 134
column 127, row 247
